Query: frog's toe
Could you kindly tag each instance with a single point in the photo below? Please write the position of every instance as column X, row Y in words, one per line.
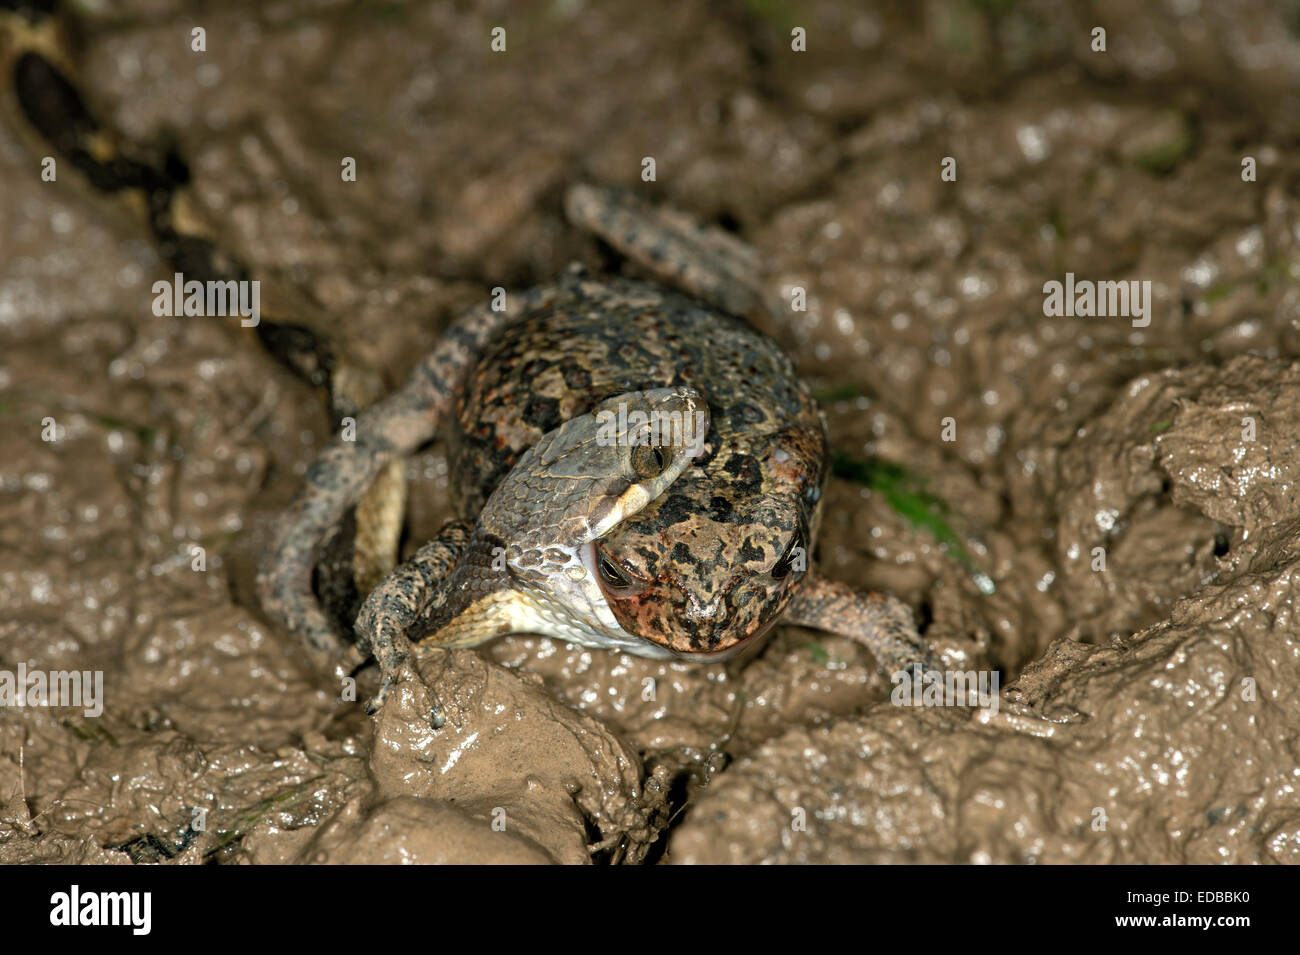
column 388, row 680
column 437, row 714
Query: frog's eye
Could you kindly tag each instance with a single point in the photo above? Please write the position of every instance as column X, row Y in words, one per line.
column 611, row 573
column 794, row 558
column 648, row 461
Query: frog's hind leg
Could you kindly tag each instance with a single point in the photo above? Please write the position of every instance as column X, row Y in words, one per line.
column 881, row 623
column 363, row 549
column 705, row 261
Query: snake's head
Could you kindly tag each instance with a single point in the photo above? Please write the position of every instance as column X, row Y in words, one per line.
column 577, row 483
column 594, row 472
column 643, row 442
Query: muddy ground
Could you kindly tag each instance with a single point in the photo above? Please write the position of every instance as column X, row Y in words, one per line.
column 1149, row 710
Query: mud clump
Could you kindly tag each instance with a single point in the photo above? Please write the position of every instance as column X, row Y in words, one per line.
column 1172, row 744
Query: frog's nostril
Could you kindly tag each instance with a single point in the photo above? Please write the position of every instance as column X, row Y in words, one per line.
column 708, row 612
column 697, row 622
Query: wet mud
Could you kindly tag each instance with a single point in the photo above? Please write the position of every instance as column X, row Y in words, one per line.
column 1109, row 523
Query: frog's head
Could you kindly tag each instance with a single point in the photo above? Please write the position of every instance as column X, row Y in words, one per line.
column 709, row 567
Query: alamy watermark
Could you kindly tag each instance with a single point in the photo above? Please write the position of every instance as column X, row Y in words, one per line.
column 1087, row 299
column 212, row 298
column 655, row 428
column 946, row 688
column 83, row 689
column 129, row 909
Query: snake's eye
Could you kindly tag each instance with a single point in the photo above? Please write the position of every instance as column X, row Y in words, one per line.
column 611, row 573
column 648, row 461
column 794, row 558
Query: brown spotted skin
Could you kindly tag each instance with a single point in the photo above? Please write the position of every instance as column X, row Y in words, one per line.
column 699, row 559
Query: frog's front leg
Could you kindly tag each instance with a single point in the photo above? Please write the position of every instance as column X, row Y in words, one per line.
column 881, row 623
column 391, row 613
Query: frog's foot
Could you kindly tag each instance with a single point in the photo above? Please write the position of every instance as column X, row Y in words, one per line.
column 390, row 613
column 337, row 479
column 881, row 623
column 707, row 262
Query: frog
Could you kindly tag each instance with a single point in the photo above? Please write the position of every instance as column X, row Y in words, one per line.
column 701, row 569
